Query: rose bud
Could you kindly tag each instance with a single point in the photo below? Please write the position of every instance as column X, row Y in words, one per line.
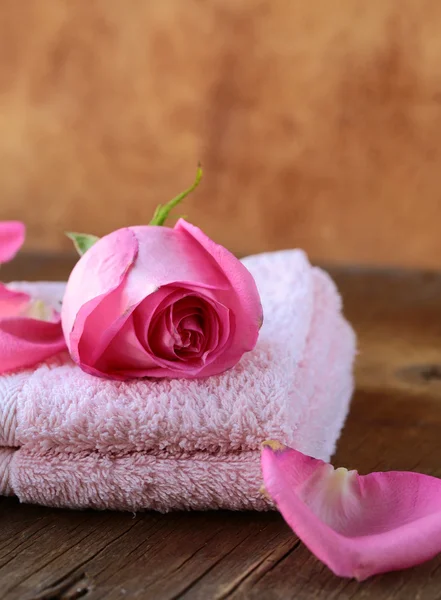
column 151, row 301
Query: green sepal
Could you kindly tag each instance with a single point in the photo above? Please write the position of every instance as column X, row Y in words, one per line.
column 82, row 241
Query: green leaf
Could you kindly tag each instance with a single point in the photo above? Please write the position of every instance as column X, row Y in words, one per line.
column 162, row 211
column 82, row 241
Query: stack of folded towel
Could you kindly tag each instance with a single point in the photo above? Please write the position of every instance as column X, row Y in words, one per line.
column 73, row 440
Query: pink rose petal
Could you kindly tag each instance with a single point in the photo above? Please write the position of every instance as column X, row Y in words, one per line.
column 24, row 340
column 125, row 355
column 96, row 279
column 12, row 303
column 249, row 309
column 30, row 330
column 118, row 350
column 357, row 525
column 12, row 235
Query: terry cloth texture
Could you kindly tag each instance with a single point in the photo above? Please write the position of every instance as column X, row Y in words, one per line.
column 74, row 440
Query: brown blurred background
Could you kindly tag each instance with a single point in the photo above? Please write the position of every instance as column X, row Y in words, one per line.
column 318, row 123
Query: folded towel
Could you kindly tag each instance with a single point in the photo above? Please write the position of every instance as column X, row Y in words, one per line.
column 71, row 439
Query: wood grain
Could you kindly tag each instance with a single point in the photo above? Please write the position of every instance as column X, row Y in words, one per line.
column 317, row 128
column 394, row 423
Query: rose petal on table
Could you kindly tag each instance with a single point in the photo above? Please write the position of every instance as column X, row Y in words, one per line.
column 26, row 340
column 12, row 235
column 357, row 525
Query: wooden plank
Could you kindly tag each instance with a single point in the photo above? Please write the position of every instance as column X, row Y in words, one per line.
column 394, row 424
column 194, row 549
column 67, row 539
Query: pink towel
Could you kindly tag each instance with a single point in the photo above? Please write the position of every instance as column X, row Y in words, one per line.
column 71, row 439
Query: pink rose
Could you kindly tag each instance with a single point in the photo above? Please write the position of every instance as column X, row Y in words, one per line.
column 158, row 302
column 30, row 329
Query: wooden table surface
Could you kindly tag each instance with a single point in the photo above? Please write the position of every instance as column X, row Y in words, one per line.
column 395, row 423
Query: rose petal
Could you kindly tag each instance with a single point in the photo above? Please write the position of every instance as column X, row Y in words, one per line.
column 141, row 359
column 216, row 331
column 49, row 292
column 357, row 525
column 25, row 341
column 107, row 356
column 169, row 256
column 12, row 235
column 17, row 303
column 246, row 301
column 96, row 278
column 163, row 336
column 124, row 354
column 12, row 303
column 191, row 322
